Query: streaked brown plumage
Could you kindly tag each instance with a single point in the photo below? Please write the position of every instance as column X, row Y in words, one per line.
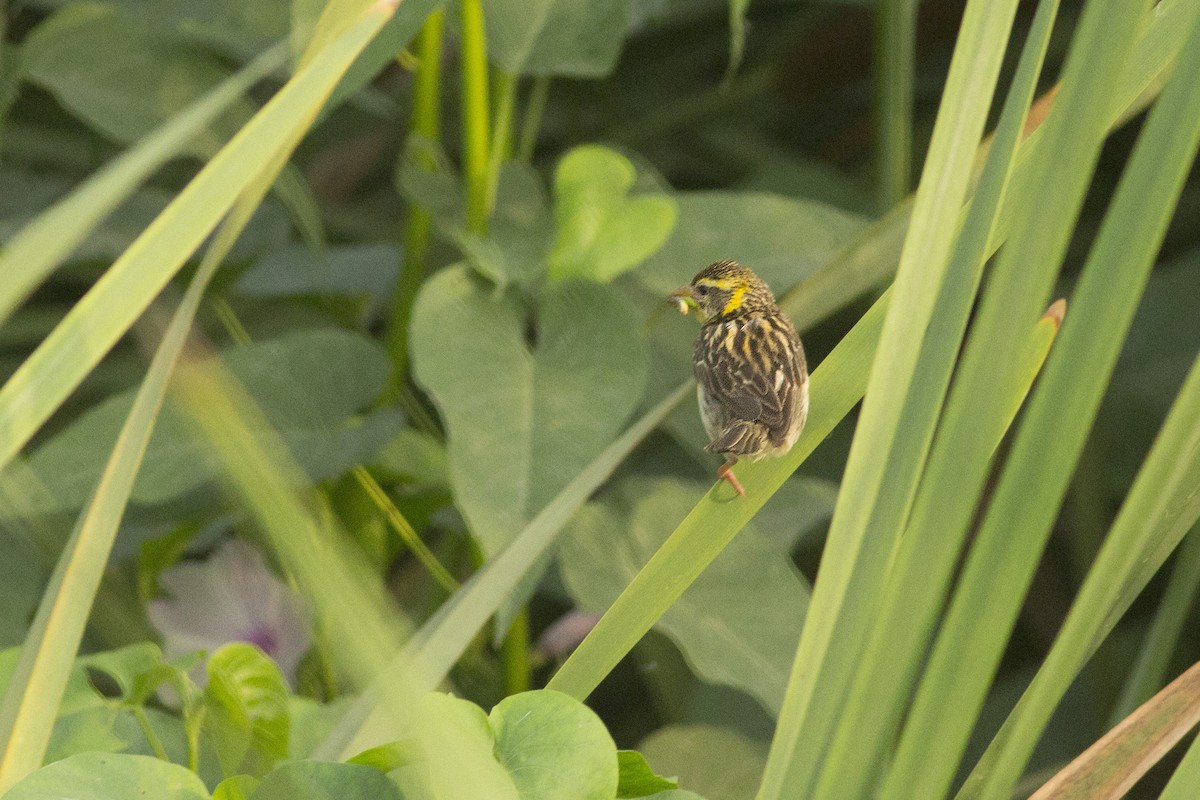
column 749, row 366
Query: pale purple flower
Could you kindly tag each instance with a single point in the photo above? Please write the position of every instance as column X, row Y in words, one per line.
column 231, row 597
column 565, row 634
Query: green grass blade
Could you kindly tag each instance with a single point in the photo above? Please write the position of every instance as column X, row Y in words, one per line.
column 1186, row 778
column 895, row 74
column 31, row 703
column 1048, row 444
column 872, row 258
column 837, row 385
column 1154, row 657
column 350, row 604
column 1160, row 508
column 97, row 321
column 38, row 248
column 882, row 676
column 716, row 520
column 442, row 640
column 864, row 523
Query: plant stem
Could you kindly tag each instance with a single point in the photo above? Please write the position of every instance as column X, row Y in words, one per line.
column 5, row 88
column 533, row 119
column 139, row 714
column 896, row 28
column 233, row 326
column 406, row 532
column 475, row 115
column 426, row 122
column 506, row 98
column 515, row 654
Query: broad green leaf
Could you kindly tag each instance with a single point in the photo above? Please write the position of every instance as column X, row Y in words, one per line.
column 556, row 37
column 29, row 255
column 637, row 779
column 406, row 763
column 554, row 747
column 442, row 640
column 114, row 71
column 247, row 694
column 105, row 313
column 309, row 384
column 602, row 230
column 110, row 776
column 783, row 240
column 236, row 787
column 125, row 665
column 23, row 576
column 234, row 26
column 836, row 386
column 522, row 423
column 415, row 456
column 96, row 729
column 738, row 624
column 716, row 762
column 520, row 230
column 366, row 270
column 315, row 780
column 388, row 757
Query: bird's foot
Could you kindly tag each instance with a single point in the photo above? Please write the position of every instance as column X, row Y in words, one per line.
column 725, row 472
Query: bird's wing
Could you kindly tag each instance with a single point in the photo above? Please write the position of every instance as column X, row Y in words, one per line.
column 752, row 368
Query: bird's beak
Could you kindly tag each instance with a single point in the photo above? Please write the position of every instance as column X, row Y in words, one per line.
column 684, row 298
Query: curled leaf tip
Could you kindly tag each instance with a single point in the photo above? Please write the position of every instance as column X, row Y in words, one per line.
column 1056, row 311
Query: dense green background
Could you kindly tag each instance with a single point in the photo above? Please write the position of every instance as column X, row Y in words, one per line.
column 445, row 320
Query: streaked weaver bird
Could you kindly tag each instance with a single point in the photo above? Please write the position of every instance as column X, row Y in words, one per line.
column 752, row 380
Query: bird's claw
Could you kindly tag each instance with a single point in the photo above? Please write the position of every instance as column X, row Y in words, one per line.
column 725, row 473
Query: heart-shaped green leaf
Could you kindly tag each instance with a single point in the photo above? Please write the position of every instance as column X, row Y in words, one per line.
column 110, row 776
column 556, row 37
column 522, row 420
column 309, row 384
column 247, row 698
column 601, row 230
column 554, row 747
column 737, row 625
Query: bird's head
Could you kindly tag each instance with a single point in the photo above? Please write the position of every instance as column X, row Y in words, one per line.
column 724, row 290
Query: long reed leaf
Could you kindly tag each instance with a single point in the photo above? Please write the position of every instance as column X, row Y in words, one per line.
column 1110, row 767
column 899, row 634
column 866, row 521
column 32, row 699
column 38, row 248
column 96, row 322
column 1047, row 445
column 441, row 641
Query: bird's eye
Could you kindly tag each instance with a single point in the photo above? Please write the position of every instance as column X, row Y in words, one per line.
column 702, row 290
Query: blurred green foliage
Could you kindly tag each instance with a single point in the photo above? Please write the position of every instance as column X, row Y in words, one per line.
column 672, row 134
